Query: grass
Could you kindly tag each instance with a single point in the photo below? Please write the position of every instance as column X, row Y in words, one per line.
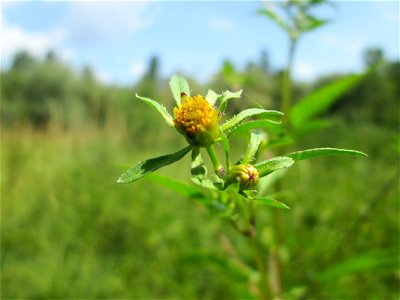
column 69, row 231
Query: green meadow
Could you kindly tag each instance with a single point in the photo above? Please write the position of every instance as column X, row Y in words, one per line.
column 68, row 230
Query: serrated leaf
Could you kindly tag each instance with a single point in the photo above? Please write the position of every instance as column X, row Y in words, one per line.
column 225, row 97
column 254, row 143
column 179, row 85
column 150, row 165
column 261, row 124
column 160, row 108
column 317, row 152
column 270, row 202
column 212, row 97
column 320, row 100
column 268, row 166
column 252, row 112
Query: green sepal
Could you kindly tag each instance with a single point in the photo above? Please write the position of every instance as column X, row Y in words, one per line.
column 160, row 108
column 212, row 97
column 178, row 86
column 317, row 152
column 270, row 202
column 150, row 165
column 252, row 112
column 268, row 166
column 225, row 97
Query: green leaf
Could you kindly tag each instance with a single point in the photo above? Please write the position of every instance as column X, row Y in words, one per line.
column 260, row 124
column 255, row 141
column 235, row 120
column 310, row 23
column 225, row 143
column 384, row 259
column 179, row 85
column 150, row 165
column 199, row 170
column 320, row 100
column 160, row 108
column 212, row 97
column 178, row 186
column 268, row 166
column 270, row 202
column 317, row 152
column 275, row 18
column 225, row 97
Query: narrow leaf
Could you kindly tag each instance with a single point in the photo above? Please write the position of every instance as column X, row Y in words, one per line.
column 382, row 260
column 178, row 186
column 150, row 165
column 179, row 85
column 320, row 100
column 225, row 97
column 255, row 140
column 160, row 108
column 268, row 166
column 235, row 120
column 310, row 23
column 225, row 143
column 317, row 152
column 275, row 18
column 212, row 97
column 262, row 124
column 270, row 202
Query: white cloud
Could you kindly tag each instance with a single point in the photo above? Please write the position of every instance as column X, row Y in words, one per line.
column 351, row 46
column 91, row 21
column 304, row 71
column 138, row 69
column 14, row 38
column 221, row 24
column 102, row 76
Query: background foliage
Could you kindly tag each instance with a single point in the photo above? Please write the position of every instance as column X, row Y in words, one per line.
column 66, row 223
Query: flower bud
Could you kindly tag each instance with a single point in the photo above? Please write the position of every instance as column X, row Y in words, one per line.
column 247, row 176
column 197, row 120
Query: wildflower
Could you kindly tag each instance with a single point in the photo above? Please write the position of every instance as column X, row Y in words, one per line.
column 246, row 174
column 197, row 121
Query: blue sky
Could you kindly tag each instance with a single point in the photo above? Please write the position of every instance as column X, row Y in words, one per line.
column 118, row 38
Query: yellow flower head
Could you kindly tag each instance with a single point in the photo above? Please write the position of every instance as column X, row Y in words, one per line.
column 197, row 120
column 247, row 176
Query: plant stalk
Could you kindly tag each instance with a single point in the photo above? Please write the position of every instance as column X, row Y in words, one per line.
column 218, row 168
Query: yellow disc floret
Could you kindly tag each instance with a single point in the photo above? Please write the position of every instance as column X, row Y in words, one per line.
column 197, row 120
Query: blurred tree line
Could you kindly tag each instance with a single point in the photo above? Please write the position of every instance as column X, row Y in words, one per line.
column 48, row 91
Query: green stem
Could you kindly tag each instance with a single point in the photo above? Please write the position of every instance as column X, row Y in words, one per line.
column 218, row 168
